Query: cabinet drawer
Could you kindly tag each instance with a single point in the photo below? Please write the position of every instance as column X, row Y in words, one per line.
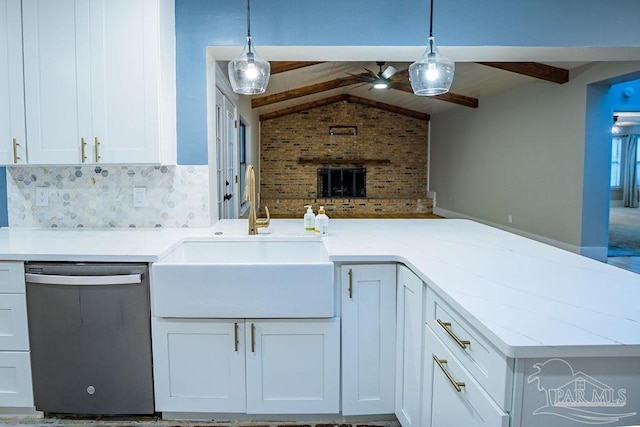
column 12, row 277
column 14, row 334
column 452, row 397
column 490, row 368
column 15, row 379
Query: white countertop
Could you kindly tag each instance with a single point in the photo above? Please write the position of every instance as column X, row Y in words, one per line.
column 528, row 298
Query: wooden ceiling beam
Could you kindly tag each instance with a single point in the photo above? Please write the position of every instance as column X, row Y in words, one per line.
column 306, row 90
column 454, row 98
column 282, row 66
column 344, row 98
column 533, row 69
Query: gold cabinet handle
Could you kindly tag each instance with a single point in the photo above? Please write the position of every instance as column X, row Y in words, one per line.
column 456, row 384
column 235, row 336
column 83, row 145
column 15, row 151
column 96, row 144
column 253, row 338
column 447, row 327
column 350, row 283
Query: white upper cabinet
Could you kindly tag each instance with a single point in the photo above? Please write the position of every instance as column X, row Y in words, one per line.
column 99, row 81
column 56, row 69
column 12, row 124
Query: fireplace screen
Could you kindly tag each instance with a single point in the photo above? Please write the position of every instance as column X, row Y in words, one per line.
column 342, row 182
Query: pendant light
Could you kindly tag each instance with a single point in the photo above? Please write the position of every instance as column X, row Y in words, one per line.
column 248, row 73
column 432, row 74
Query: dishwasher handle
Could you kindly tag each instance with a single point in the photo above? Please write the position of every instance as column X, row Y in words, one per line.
column 54, row 279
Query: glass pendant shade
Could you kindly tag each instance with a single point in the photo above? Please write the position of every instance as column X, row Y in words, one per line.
column 248, row 73
column 432, row 74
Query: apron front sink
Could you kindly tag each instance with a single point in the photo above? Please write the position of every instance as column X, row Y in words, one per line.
column 244, row 278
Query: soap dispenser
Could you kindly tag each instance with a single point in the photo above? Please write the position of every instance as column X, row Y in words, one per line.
column 322, row 222
column 309, row 220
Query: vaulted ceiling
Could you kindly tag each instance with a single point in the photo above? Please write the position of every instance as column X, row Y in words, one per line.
column 298, row 86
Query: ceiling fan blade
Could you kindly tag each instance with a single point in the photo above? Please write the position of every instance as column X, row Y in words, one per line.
column 371, row 72
column 389, row 72
column 360, row 77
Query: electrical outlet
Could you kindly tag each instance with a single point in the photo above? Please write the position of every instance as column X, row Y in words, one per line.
column 42, row 196
column 139, row 197
column 510, row 219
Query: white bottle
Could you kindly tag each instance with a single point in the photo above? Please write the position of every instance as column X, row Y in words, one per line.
column 309, row 220
column 322, row 223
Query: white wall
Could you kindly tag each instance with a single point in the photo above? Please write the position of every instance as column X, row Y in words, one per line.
column 522, row 153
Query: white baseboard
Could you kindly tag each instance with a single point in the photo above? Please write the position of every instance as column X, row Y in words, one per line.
column 597, row 253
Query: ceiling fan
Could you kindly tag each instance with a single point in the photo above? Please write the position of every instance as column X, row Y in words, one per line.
column 382, row 79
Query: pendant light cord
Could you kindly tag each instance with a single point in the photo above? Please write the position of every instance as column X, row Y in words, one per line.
column 431, row 20
column 249, row 18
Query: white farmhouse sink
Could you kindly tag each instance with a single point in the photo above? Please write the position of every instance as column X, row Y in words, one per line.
column 244, row 278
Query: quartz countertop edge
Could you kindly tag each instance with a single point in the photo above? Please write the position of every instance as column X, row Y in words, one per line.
column 529, row 299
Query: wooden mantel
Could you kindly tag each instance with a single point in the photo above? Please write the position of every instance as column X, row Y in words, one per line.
column 332, row 161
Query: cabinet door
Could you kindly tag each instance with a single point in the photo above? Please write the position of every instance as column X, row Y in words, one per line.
column 199, row 365
column 409, row 347
column 445, row 405
column 368, row 338
column 15, row 379
column 13, row 322
column 125, row 64
column 12, row 125
column 12, row 277
column 293, row 366
column 56, row 79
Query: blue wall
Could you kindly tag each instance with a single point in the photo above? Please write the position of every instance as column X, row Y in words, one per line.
column 620, row 102
column 201, row 23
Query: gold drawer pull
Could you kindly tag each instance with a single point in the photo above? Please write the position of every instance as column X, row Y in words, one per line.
column 447, row 327
column 83, row 145
column 456, row 384
column 96, row 152
column 253, row 338
column 15, row 151
column 350, row 283
column 235, row 336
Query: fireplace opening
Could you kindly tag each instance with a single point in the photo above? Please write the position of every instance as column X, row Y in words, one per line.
column 342, row 182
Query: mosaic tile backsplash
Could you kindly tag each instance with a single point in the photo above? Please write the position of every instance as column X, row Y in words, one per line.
column 102, row 196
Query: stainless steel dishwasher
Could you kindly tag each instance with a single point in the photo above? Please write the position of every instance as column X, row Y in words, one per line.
column 90, row 337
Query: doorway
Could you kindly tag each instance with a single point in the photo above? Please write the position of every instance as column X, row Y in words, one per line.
column 227, row 157
column 624, row 213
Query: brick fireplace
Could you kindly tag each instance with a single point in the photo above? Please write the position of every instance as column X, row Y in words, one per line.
column 380, row 163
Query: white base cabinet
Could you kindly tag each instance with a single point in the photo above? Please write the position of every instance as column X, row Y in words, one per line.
column 452, row 397
column 16, row 388
column 292, row 366
column 409, row 347
column 199, row 364
column 368, row 295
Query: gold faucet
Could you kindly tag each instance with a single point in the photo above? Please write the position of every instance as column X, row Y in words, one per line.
column 250, row 196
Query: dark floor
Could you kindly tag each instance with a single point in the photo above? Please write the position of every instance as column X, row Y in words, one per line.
column 157, row 422
column 54, row 422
